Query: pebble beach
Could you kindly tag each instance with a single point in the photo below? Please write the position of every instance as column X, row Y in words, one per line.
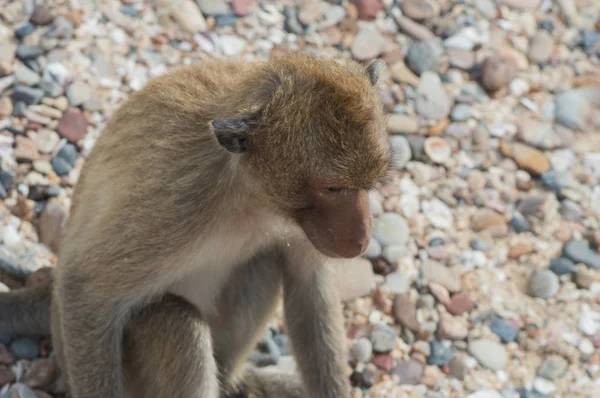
column 482, row 278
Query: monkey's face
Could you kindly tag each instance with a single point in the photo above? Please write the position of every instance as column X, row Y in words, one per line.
column 317, row 145
column 337, row 221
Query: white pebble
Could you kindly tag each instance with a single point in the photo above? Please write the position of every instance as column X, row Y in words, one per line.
column 544, row 386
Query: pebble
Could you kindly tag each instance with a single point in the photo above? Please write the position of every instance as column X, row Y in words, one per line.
column 562, row 266
column 420, row 10
column 544, row 284
column 362, row 349
column 461, row 112
column 27, row 53
column 25, row 149
column 437, row 212
column 404, row 312
column 424, row 56
column 544, row 386
column 432, row 101
column 78, row 93
column 458, row 367
column 487, row 219
column 24, row 75
column 383, row 339
column 391, row 229
column 553, row 367
column 580, row 251
column 541, row 47
column 73, row 125
column 527, row 158
column 437, row 149
column 402, row 124
column 452, row 328
column 438, row 273
column 519, row 224
column 409, row 372
column 41, row 15
column 368, row 43
column 488, row 353
column 485, row 393
column 401, row 152
column 27, row 95
column 441, row 353
column 355, row 276
column 25, row 348
column 575, row 108
column 61, row 167
column 487, row 8
column 503, row 329
column 497, row 71
column 396, row 283
column 460, row 303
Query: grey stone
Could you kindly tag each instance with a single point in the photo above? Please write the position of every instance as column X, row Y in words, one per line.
column 25, row 52
column 391, row 229
column 424, row 56
column 25, row 348
column 409, row 372
column 432, row 101
column 24, row 75
column 61, row 166
column 401, row 151
column 461, row 112
column 553, row 367
column 27, row 95
column 576, row 108
column 544, row 284
column 396, row 283
column 439, row 273
column 502, row 329
column 441, row 353
column 562, row 266
column 488, row 353
column 580, row 252
column 570, row 210
column 68, row 153
column 213, row 7
column 78, row 93
column 362, row 349
column 383, row 338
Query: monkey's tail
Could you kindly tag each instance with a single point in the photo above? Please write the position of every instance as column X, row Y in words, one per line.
column 26, row 311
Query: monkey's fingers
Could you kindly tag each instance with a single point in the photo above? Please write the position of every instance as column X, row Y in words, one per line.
column 261, row 383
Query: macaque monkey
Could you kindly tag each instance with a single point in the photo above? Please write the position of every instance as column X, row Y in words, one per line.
column 213, row 192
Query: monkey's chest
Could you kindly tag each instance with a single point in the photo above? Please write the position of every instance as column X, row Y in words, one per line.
column 213, row 261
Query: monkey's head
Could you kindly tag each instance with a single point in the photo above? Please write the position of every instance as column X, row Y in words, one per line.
column 314, row 134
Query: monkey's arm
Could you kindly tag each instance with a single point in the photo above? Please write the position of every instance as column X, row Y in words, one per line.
column 314, row 319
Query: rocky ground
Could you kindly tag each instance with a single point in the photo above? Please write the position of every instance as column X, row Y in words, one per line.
column 483, row 276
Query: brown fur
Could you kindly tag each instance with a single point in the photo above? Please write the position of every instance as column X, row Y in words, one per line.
column 176, row 249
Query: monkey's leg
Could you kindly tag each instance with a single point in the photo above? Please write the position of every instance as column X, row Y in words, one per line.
column 26, row 311
column 313, row 314
column 246, row 305
column 168, row 353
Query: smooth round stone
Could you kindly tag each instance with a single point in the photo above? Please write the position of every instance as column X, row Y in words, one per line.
column 485, row 393
column 374, row 249
column 68, row 153
column 392, row 253
column 544, row 284
column 438, row 213
column 461, row 112
column 420, row 9
column 24, row 30
column 401, row 151
column 570, row 210
column 409, row 372
column 25, row 348
column 541, row 47
column 424, row 56
column 383, row 339
column 391, row 229
column 362, row 349
column 282, row 342
column 489, row 354
column 396, row 283
column 574, row 108
column 61, row 167
column 436, row 241
column 503, row 329
column 580, row 252
column 441, row 353
column 439, row 273
column 562, row 266
column 432, row 100
column 553, row 367
column 519, row 224
column 480, row 245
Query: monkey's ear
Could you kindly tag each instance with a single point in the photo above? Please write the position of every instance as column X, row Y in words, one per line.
column 232, row 134
column 374, row 70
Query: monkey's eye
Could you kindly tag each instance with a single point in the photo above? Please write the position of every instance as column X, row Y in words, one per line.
column 335, row 189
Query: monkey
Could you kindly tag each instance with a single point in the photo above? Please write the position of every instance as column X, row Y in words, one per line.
column 212, row 193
